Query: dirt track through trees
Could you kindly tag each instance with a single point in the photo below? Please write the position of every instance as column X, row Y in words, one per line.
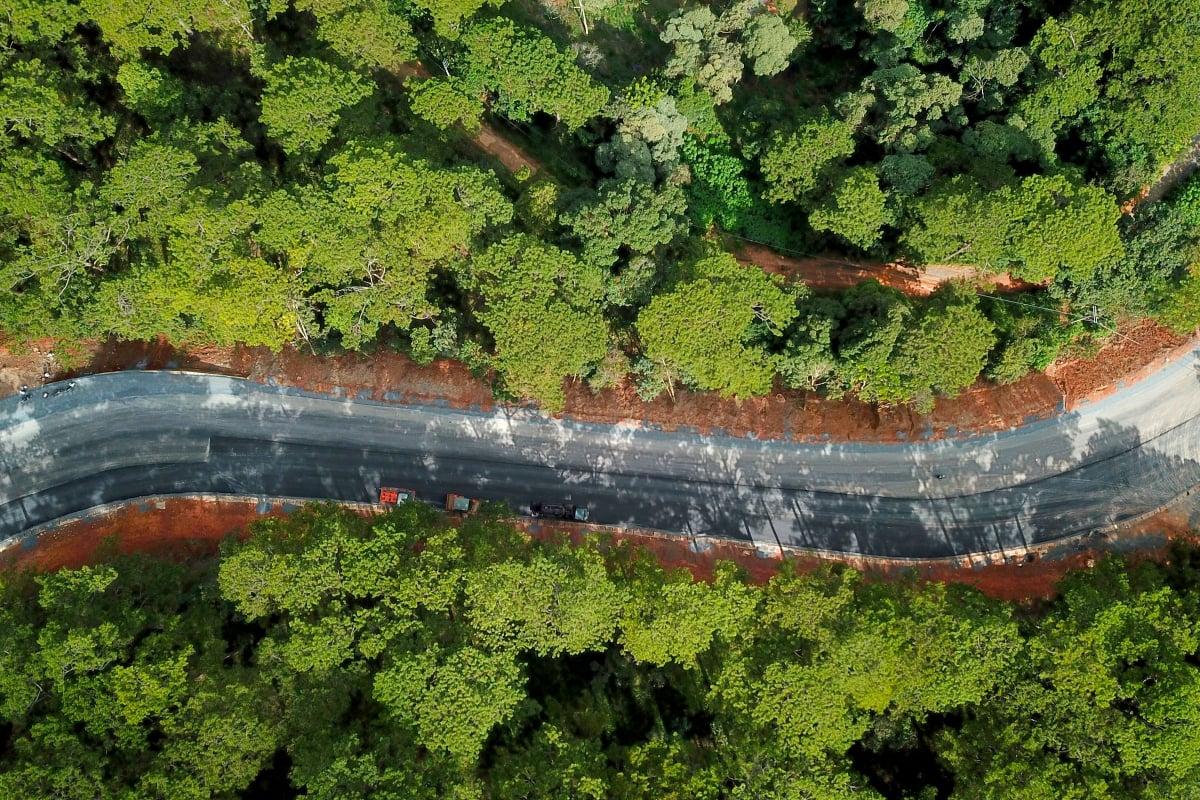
column 831, row 274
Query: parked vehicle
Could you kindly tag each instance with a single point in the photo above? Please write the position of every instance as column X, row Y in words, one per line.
column 559, row 511
column 461, row 504
column 391, row 496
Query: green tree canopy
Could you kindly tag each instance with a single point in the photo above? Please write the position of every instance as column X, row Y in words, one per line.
column 627, row 215
column 540, row 305
column 701, row 330
column 857, row 211
column 949, row 347
column 445, row 103
column 302, row 101
column 792, row 164
column 368, row 239
column 1128, row 63
column 411, row 655
column 367, row 33
column 523, row 72
column 1038, row 229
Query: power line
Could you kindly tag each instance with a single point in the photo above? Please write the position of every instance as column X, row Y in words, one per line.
column 1017, row 303
column 1092, row 316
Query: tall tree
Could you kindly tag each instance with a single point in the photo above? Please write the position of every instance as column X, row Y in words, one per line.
column 701, row 331
column 626, row 215
column 949, row 346
column 793, row 163
column 857, row 210
column 367, row 33
column 523, row 72
column 131, row 26
column 540, row 305
column 302, row 101
column 1038, row 229
column 1114, row 57
column 561, row 602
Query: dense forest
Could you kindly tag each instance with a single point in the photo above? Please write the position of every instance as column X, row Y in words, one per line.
column 332, row 656
column 275, row 172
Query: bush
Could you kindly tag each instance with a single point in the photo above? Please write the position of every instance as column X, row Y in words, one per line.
column 719, row 191
column 1187, row 202
column 1180, row 311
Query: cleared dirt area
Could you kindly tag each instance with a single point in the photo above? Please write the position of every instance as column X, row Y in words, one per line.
column 1139, row 350
column 512, row 157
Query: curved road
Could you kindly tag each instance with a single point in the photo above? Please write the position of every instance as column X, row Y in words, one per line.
column 130, row 434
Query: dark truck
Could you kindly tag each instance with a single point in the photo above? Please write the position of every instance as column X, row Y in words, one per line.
column 559, row 511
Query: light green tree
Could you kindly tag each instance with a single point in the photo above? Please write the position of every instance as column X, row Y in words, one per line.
column 49, row 107
column 883, row 15
column 907, row 101
column 365, row 32
column 540, row 305
column 302, row 101
column 703, row 53
column 150, row 185
column 877, row 316
column 948, row 348
column 451, row 698
column 131, row 26
column 449, row 15
column 560, row 603
column 671, row 619
column 445, row 103
column 28, row 21
column 770, row 43
column 1042, row 228
column 857, row 210
column 793, row 163
column 523, row 72
column 626, row 215
column 1113, row 58
column 700, row 331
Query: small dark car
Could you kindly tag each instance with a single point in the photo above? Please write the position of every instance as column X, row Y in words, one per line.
column 559, row 511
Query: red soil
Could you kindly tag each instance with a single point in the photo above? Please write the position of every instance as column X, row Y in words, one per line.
column 1142, row 348
column 800, row 416
column 835, row 274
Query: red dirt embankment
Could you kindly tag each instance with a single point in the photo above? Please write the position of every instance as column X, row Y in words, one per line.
column 189, row 528
column 787, row 414
column 1141, row 349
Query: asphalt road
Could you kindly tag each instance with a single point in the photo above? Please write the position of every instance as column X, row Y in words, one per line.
column 131, row 434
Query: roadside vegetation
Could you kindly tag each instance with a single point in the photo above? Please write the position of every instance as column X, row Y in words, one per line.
column 268, row 172
column 332, row 656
